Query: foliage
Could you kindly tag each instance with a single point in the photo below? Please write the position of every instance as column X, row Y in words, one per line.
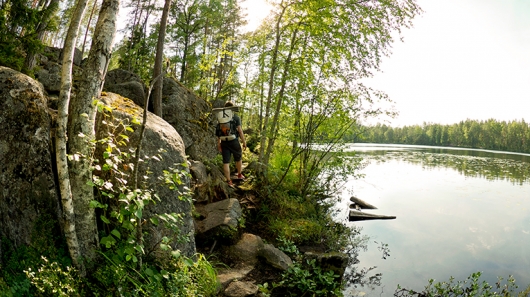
column 309, row 280
column 472, row 286
column 52, row 280
column 491, row 134
column 135, row 54
column 287, row 246
column 122, row 269
column 19, row 25
column 45, row 243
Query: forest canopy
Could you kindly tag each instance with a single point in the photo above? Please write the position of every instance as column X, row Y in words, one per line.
column 491, row 134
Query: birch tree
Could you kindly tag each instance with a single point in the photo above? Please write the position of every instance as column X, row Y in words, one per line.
column 61, row 135
column 316, row 53
column 81, row 128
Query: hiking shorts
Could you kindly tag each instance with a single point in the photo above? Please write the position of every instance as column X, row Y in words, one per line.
column 229, row 148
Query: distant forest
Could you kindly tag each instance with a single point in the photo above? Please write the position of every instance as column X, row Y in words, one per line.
column 511, row 136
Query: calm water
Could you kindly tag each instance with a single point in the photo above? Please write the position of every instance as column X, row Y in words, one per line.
column 458, row 212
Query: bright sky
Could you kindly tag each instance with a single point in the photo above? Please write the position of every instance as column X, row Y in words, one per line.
column 462, row 59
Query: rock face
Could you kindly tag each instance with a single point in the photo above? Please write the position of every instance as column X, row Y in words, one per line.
column 246, row 249
column 191, row 117
column 189, row 114
column 29, row 192
column 241, row 289
column 159, row 135
column 336, row 262
column 26, row 175
column 219, row 219
column 275, row 257
column 126, row 84
column 49, row 73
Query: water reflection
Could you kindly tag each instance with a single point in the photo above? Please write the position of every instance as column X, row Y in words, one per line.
column 482, row 164
column 458, row 212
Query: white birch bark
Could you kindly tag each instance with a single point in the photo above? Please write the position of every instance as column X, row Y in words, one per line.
column 83, row 114
column 61, row 136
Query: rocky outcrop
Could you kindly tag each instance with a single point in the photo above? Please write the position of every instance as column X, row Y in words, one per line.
column 27, row 184
column 226, row 276
column 241, row 289
column 126, row 84
column 191, row 116
column 162, row 149
column 27, row 179
column 246, row 250
column 218, row 220
column 334, row 261
column 49, row 72
column 275, row 257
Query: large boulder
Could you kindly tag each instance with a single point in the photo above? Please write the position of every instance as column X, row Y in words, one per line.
column 49, row 72
column 27, row 184
column 50, row 77
column 27, row 178
column 191, row 117
column 241, row 289
column 126, row 84
column 218, row 221
column 158, row 135
column 246, row 250
column 275, row 257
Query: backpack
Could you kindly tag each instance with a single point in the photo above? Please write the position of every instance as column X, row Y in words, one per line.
column 226, row 125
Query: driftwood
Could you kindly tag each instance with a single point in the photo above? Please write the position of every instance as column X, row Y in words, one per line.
column 361, row 203
column 362, row 216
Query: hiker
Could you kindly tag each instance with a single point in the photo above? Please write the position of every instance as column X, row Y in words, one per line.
column 232, row 147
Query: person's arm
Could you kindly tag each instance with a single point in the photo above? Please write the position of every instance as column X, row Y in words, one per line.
column 219, row 144
column 242, row 136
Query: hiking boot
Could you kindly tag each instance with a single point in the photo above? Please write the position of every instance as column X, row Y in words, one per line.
column 230, row 184
column 240, row 176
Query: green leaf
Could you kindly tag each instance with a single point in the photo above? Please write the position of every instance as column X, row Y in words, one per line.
column 154, row 220
column 108, row 241
column 138, row 213
column 176, row 254
column 116, row 233
column 139, row 248
column 104, row 219
column 188, row 262
column 149, row 272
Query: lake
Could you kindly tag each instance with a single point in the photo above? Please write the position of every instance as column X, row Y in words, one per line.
column 458, row 211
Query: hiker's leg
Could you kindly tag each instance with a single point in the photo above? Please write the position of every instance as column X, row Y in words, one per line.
column 226, row 152
column 226, row 169
column 238, row 167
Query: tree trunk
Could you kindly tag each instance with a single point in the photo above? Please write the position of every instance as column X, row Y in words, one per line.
column 274, row 124
column 61, row 137
column 88, row 27
column 159, row 83
column 184, row 57
column 274, row 65
column 83, row 114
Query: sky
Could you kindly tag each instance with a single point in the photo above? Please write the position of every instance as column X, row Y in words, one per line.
column 462, row 59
